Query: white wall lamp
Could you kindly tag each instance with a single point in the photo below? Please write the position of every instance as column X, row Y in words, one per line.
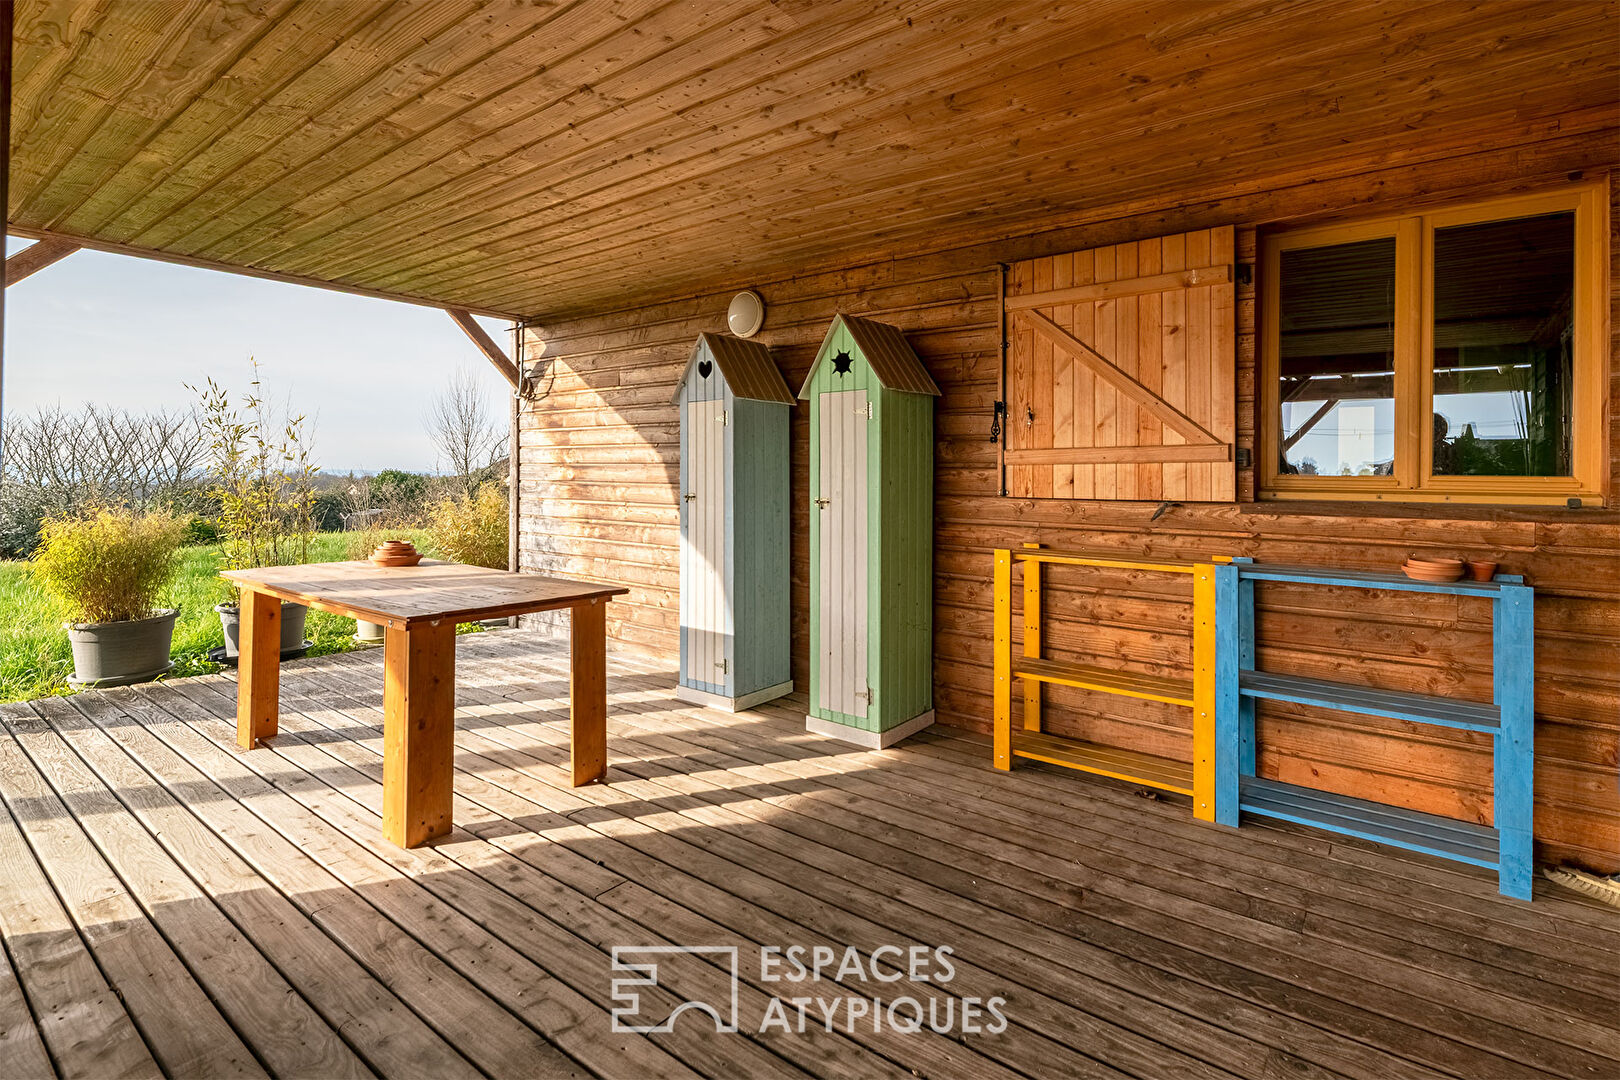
column 746, row 314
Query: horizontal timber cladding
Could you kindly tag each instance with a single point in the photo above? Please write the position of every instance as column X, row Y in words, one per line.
column 599, row 462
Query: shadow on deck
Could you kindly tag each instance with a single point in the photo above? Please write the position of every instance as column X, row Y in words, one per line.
column 171, row 906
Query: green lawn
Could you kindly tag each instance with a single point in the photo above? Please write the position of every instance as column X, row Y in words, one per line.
column 35, row 660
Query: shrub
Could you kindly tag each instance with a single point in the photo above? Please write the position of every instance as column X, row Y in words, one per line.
column 108, row 565
column 263, row 479
column 471, row 528
column 326, row 513
column 198, row 531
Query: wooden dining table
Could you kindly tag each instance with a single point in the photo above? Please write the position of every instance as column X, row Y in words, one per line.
column 419, row 608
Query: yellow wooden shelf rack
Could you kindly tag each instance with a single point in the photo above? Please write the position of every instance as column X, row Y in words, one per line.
column 1197, row 693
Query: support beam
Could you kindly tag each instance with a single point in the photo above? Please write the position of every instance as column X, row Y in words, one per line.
column 486, row 344
column 112, row 247
column 36, row 257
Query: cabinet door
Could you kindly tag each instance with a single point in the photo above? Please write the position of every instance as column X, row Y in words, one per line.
column 705, row 603
column 841, row 513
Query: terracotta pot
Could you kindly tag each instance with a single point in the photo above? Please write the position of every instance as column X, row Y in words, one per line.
column 1481, row 569
column 396, row 553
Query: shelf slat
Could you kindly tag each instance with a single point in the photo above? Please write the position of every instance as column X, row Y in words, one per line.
column 1148, row 770
column 1111, row 559
column 1372, row 701
column 1431, row 834
column 1368, row 579
column 1105, row 680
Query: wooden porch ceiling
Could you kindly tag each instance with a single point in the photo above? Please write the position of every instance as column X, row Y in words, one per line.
column 555, row 158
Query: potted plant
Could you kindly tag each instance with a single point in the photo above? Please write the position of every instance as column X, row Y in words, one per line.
column 108, row 567
column 264, row 482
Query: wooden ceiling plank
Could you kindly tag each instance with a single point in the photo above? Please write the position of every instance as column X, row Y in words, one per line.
column 293, row 44
column 115, row 60
column 599, row 82
column 196, row 59
column 558, row 245
column 708, row 149
column 393, row 107
column 517, row 153
column 1481, row 172
column 919, row 161
column 804, row 124
column 48, row 39
column 36, row 257
column 676, row 197
column 783, row 224
column 396, row 51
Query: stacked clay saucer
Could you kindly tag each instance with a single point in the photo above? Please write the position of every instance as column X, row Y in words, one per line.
column 1427, row 569
column 396, row 553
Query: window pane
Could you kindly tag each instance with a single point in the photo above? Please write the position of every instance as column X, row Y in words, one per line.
column 1336, row 359
column 1504, row 347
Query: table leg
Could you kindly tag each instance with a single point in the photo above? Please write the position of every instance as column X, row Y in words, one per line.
column 419, row 731
column 258, row 668
column 587, row 713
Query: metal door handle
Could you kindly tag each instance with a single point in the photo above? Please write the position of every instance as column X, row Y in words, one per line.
column 689, row 496
column 821, row 504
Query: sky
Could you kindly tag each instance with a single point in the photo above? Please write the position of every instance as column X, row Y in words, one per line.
column 129, row 332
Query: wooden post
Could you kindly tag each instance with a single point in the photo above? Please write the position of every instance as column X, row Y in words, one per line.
column 1032, row 640
column 1203, row 725
column 258, row 668
column 7, row 14
column 1001, row 689
column 587, row 713
column 419, row 731
column 1514, row 675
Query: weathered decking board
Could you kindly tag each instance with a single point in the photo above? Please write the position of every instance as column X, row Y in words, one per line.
column 140, row 850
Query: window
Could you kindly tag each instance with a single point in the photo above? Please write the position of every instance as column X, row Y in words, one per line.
column 1457, row 355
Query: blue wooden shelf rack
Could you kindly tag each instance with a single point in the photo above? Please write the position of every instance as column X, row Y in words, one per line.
column 1508, row 719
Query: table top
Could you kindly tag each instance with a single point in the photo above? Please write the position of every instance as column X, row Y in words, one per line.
column 401, row 595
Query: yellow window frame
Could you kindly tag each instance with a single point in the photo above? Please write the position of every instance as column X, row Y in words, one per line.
column 1413, row 479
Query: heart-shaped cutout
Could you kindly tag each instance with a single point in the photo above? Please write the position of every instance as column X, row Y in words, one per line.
column 705, row 367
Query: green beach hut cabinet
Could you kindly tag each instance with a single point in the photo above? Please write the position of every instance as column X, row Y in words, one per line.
column 735, row 506
column 871, row 535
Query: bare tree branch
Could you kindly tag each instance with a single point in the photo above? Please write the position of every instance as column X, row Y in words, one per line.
column 465, row 427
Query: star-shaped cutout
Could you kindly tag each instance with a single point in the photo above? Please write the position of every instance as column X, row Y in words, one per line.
column 842, row 363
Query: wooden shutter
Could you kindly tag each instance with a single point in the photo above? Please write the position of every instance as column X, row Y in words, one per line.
column 1121, row 372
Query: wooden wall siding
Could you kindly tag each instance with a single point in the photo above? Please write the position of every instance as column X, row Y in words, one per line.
column 1070, row 432
column 598, row 460
column 550, row 159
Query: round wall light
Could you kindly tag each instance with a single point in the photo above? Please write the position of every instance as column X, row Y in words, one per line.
column 746, row 314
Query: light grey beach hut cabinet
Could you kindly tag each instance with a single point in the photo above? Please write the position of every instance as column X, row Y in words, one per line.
column 735, row 525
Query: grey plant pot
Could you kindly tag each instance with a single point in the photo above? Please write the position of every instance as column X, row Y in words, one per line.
column 370, row 633
column 292, row 627
column 121, row 653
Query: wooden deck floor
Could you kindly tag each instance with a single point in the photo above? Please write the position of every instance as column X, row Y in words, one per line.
column 170, row 906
